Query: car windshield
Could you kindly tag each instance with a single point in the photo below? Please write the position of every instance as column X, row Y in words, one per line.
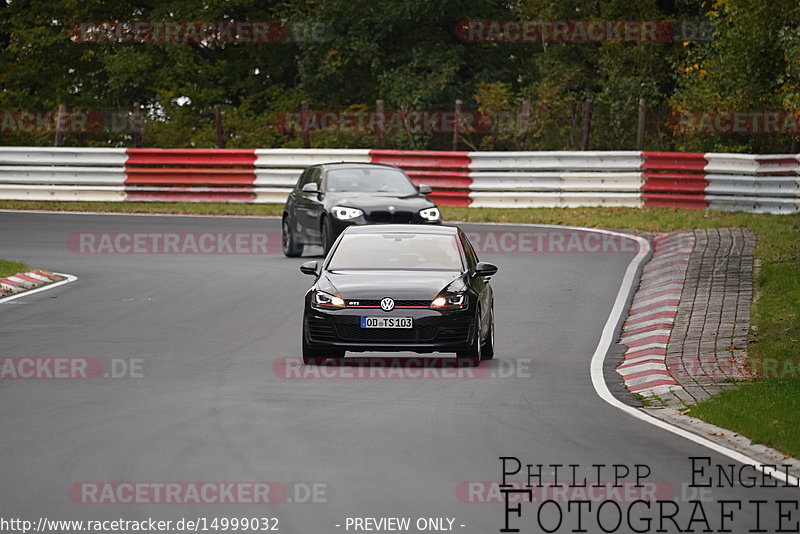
column 403, row 251
column 377, row 180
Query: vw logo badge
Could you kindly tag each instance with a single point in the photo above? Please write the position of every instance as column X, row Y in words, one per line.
column 387, row 304
column 391, row 209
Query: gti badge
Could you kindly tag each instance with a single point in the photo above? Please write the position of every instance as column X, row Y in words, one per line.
column 387, row 304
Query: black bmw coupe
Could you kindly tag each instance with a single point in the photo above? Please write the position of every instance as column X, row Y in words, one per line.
column 330, row 197
column 413, row 288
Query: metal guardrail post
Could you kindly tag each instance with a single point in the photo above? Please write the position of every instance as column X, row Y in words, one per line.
column 60, row 118
column 588, row 107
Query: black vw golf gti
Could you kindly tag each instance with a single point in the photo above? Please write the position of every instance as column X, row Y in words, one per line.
column 394, row 287
column 328, row 198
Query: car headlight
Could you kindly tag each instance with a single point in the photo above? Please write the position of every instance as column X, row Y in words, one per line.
column 345, row 214
column 325, row 300
column 430, row 214
column 453, row 301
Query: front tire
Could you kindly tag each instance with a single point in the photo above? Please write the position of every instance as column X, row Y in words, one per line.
column 474, row 352
column 291, row 248
column 488, row 347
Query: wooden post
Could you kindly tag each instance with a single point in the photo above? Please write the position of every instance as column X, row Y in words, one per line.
column 380, row 124
column 218, row 125
column 456, row 124
column 640, row 124
column 524, row 121
column 795, row 148
column 137, row 125
column 588, row 106
column 60, row 118
column 304, row 126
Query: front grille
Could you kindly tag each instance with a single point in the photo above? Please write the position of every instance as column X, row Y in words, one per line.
column 418, row 334
column 372, row 303
column 380, row 216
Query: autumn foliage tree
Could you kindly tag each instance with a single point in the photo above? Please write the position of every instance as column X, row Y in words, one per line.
column 343, row 55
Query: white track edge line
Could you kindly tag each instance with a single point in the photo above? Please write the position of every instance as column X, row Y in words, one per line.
column 69, row 278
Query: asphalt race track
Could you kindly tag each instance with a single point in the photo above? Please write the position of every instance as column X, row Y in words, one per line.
column 206, row 331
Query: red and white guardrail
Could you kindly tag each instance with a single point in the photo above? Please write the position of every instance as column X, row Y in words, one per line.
column 755, row 183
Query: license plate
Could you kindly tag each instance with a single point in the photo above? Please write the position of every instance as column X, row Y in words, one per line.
column 386, row 322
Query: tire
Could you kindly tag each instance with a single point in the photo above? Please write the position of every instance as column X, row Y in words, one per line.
column 291, row 248
column 488, row 347
column 474, row 352
column 327, row 235
column 317, row 356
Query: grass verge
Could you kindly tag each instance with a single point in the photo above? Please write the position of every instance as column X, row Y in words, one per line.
column 767, row 411
column 7, row 268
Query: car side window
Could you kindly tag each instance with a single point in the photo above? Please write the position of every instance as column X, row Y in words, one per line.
column 315, row 175
column 303, row 180
column 469, row 252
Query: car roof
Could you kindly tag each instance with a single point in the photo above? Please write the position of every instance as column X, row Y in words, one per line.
column 355, row 165
column 401, row 229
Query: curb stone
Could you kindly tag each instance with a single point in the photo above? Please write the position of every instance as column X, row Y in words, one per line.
column 21, row 282
column 687, row 329
column 651, row 318
column 677, row 356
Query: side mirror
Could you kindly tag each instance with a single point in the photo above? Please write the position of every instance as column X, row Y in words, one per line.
column 484, row 268
column 309, row 267
column 310, row 187
column 425, row 189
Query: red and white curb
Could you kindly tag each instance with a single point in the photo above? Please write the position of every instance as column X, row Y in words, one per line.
column 21, row 282
column 651, row 317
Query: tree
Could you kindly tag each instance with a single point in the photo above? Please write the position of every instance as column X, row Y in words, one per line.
column 750, row 65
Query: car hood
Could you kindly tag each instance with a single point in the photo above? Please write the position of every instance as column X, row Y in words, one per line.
column 370, row 201
column 394, row 284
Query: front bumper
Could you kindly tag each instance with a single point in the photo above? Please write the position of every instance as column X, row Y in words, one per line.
column 433, row 330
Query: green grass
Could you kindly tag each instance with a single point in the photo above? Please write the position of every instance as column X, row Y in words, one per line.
column 7, row 268
column 766, row 410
